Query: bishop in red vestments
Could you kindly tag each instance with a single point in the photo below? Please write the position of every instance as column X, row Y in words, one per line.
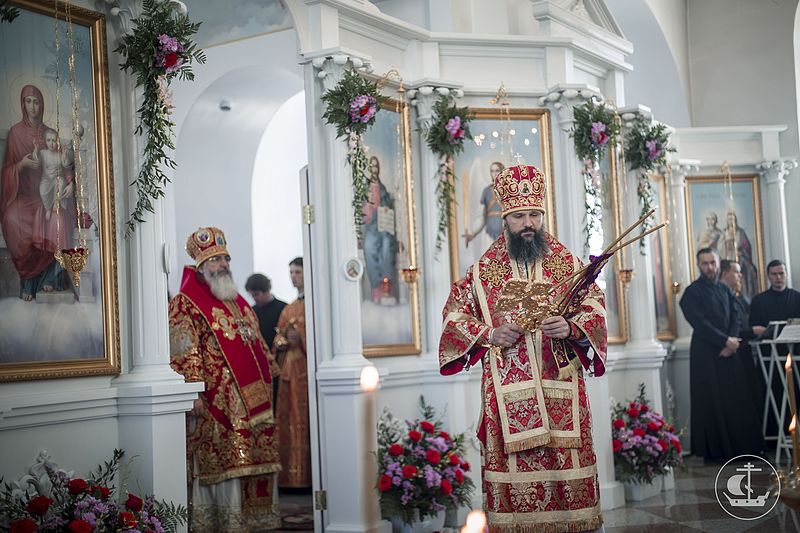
column 231, row 440
column 539, row 467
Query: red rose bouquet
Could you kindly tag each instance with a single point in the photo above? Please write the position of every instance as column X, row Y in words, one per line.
column 54, row 500
column 420, row 467
column 645, row 446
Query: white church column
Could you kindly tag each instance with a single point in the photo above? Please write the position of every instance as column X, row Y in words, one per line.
column 570, row 220
column 346, row 415
column 643, row 355
column 152, row 398
column 677, row 367
column 680, row 262
column 774, row 175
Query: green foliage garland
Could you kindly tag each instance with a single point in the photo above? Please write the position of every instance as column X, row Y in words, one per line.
column 352, row 106
column 445, row 138
column 158, row 50
column 594, row 130
column 646, row 148
column 7, row 14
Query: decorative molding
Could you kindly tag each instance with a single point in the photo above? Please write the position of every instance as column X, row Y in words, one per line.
column 18, row 412
column 600, row 25
column 124, row 11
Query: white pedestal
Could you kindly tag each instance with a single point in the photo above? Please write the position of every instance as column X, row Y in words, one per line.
column 636, row 492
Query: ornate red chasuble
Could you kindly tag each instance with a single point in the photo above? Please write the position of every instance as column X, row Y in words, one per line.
column 539, row 466
column 241, row 347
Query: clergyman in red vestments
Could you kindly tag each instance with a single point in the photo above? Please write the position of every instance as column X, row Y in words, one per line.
column 539, row 466
column 231, row 440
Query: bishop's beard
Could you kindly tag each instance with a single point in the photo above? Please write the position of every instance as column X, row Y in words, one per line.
column 222, row 285
column 526, row 250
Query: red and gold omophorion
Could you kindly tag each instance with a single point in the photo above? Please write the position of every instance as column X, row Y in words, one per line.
column 539, row 466
column 218, row 343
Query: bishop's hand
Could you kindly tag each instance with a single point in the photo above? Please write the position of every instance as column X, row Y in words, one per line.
column 555, row 327
column 506, row 335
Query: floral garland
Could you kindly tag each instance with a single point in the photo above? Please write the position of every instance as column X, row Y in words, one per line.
column 420, row 467
column 644, row 445
column 646, row 148
column 55, row 500
column 595, row 128
column 445, row 138
column 351, row 106
column 158, row 50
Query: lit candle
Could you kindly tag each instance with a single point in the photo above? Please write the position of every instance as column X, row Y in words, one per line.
column 795, row 444
column 790, row 384
column 369, row 381
column 476, row 522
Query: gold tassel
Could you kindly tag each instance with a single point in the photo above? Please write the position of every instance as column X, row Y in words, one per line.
column 571, row 369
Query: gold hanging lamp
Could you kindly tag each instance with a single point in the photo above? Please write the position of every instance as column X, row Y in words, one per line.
column 73, row 259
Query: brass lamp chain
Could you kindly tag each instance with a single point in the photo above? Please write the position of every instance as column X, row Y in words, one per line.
column 57, row 207
column 80, row 197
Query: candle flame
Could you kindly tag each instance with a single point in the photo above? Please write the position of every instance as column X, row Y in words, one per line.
column 788, row 364
column 793, row 425
column 476, row 522
column 369, row 378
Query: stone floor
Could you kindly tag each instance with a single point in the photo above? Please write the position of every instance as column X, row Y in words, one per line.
column 297, row 513
column 691, row 507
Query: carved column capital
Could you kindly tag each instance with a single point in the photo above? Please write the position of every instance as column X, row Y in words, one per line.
column 676, row 171
column 775, row 172
column 124, row 11
column 331, row 69
column 564, row 99
column 425, row 97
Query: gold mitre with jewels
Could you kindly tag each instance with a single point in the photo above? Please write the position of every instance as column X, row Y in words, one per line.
column 520, row 188
column 206, row 243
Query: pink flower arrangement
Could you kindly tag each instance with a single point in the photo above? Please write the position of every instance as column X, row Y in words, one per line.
column 169, row 54
column 644, row 445
column 654, row 149
column 454, row 130
column 420, row 467
column 599, row 135
column 362, row 108
column 78, row 505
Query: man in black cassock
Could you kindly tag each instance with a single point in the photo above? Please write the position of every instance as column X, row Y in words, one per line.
column 731, row 275
column 778, row 303
column 721, row 416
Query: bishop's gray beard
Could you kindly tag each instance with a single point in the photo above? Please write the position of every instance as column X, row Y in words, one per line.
column 222, row 285
column 522, row 249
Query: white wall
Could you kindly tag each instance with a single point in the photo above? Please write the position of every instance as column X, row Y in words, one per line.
column 671, row 17
column 743, row 73
column 656, row 81
column 275, row 203
column 216, row 151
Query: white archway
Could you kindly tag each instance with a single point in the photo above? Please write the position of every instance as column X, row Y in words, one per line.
column 216, row 156
column 275, row 201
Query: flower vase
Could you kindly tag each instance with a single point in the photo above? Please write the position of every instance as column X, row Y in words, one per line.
column 637, row 492
column 428, row 525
